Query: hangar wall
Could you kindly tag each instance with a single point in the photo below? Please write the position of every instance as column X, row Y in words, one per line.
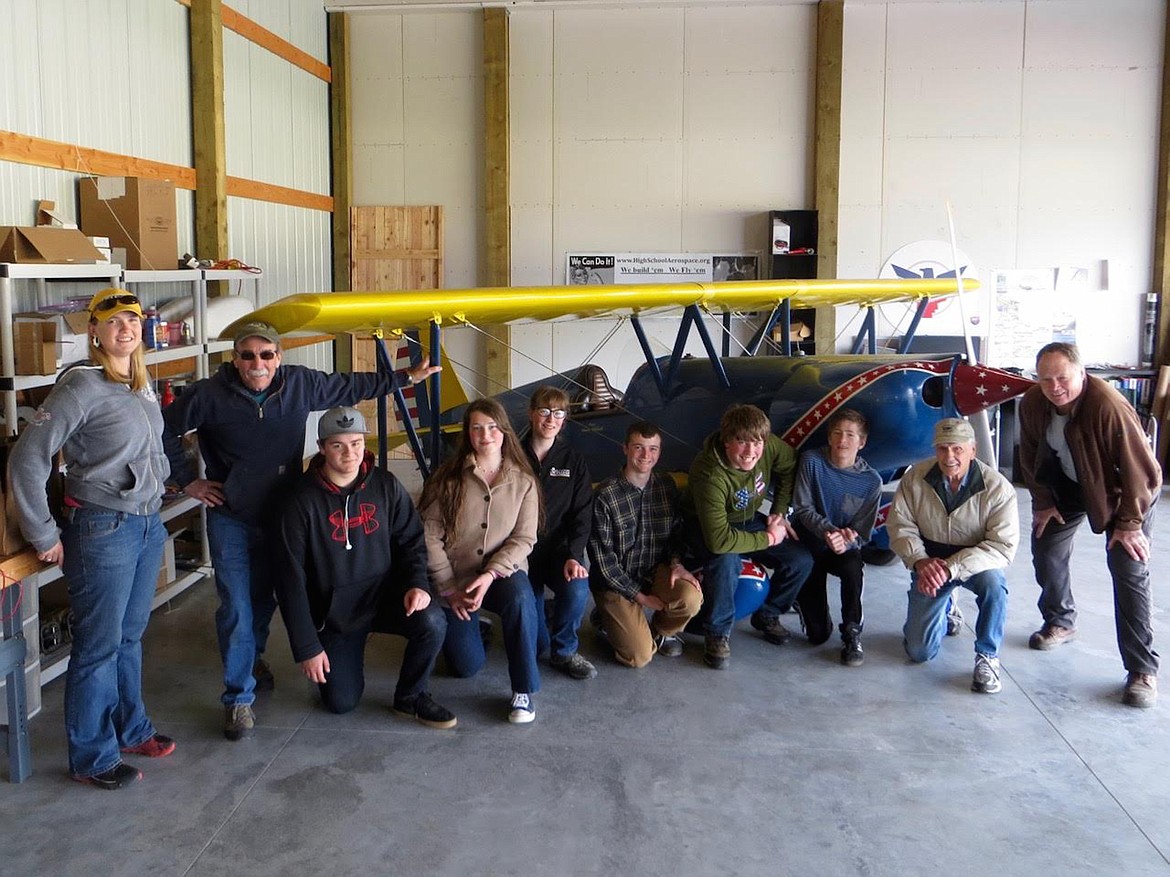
column 675, row 128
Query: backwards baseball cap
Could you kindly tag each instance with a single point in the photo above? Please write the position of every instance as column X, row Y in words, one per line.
column 953, row 431
column 257, row 330
column 107, row 302
column 341, row 421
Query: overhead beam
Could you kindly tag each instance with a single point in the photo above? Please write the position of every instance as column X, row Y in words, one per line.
column 1160, row 282
column 341, row 171
column 497, row 215
column 207, row 126
column 827, row 155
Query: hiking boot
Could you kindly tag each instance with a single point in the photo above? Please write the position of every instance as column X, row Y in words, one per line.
column 117, row 777
column 239, row 721
column 986, row 678
column 424, row 710
column 157, row 746
column 262, row 673
column 954, row 618
column 851, row 653
column 668, row 646
column 523, row 710
column 1050, row 636
column 1141, row 690
column 770, row 626
column 717, row 652
column 573, row 665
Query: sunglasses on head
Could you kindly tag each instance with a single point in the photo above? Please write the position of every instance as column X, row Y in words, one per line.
column 249, row 355
column 113, row 301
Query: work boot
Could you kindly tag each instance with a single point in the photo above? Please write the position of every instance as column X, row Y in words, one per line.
column 1141, row 690
column 1050, row 636
column 239, row 721
column 717, row 652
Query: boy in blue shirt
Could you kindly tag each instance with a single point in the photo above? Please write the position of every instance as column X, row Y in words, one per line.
column 835, row 504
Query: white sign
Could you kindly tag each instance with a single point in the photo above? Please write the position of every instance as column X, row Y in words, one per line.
column 623, row 268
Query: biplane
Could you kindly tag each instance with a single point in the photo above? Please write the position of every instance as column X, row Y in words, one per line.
column 901, row 395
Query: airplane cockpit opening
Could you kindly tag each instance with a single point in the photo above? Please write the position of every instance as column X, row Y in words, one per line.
column 593, row 392
column 934, row 391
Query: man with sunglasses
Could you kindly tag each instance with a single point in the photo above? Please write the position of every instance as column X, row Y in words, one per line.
column 250, row 419
column 558, row 560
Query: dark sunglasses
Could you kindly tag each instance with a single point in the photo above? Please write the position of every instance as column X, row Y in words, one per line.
column 249, row 355
column 113, row 301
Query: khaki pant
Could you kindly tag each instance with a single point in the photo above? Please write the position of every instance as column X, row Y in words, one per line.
column 625, row 622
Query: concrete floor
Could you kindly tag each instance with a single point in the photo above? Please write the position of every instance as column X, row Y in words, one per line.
column 786, row 764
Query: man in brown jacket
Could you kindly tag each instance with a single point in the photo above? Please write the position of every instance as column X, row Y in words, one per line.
column 1083, row 454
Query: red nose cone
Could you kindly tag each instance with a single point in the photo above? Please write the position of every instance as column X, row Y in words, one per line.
column 977, row 387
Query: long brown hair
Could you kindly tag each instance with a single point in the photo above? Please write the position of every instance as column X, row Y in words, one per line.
column 138, row 378
column 445, row 486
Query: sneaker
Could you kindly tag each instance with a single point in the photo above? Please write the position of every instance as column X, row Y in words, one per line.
column 770, row 626
column 954, row 618
column 239, row 721
column 485, row 631
column 1141, row 690
column 668, row 646
column 262, row 673
column 986, row 678
column 157, row 746
column 523, row 711
column 1050, row 636
column 851, row 653
column 597, row 623
column 117, row 777
column 573, row 665
column 423, row 709
column 818, row 632
column 717, row 652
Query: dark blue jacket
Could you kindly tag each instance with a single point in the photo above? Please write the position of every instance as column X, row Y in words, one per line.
column 254, row 449
column 568, row 507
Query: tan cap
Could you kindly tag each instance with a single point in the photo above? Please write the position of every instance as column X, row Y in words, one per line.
column 953, row 431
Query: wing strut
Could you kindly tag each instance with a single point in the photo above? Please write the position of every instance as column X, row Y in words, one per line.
column 386, row 367
column 908, row 335
column 867, row 335
column 782, row 311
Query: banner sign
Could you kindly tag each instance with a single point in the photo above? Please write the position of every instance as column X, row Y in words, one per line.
column 620, row 268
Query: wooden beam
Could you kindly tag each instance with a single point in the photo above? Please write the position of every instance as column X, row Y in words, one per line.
column 827, row 155
column 238, row 187
column 341, row 165
column 266, row 39
column 497, row 217
column 1160, row 282
column 23, row 149
column 207, row 126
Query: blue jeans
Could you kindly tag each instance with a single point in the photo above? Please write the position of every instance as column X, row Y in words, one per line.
column 559, row 632
column 112, row 561
column 243, row 580
column 512, row 599
column 790, row 561
column 424, row 631
column 926, row 617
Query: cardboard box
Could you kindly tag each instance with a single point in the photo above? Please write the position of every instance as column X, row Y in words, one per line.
column 137, row 215
column 168, row 572
column 34, row 345
column 70, row 339
column 781, row 237
column 44, row 245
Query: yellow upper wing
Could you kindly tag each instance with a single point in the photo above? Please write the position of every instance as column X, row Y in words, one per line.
column 367, row 311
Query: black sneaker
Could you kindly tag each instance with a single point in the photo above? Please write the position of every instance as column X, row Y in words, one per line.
column 424, row 710
column 851, row 653
column 262, row 673
column 717, row 652
column 668, row 646
column 818, row 631
column 770, row 626
column 117, row 777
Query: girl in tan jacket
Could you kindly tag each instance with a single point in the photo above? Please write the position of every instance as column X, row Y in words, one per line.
column 480, row 511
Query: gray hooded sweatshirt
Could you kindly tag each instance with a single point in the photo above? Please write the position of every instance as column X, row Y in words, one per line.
column 112, row 443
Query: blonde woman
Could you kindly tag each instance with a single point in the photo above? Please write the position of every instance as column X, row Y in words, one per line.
column 480, row 511
column 103, row 415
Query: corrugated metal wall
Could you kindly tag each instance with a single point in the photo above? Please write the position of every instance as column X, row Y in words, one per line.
column 114, row 76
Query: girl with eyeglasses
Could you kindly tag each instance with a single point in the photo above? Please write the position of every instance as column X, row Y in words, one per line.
column 480, row 511
column 103, row 416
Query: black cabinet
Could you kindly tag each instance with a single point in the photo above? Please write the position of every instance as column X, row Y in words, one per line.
column 799, row 263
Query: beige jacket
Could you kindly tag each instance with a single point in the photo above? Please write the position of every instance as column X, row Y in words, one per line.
column 495, row 531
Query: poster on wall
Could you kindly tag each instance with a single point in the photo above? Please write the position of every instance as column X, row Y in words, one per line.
column 1028, row 315
column 582, row 269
